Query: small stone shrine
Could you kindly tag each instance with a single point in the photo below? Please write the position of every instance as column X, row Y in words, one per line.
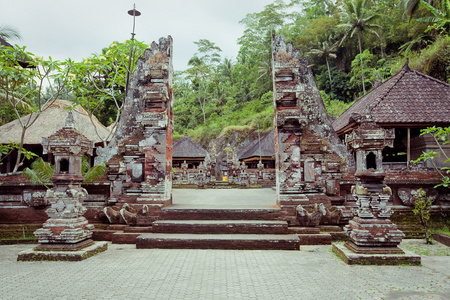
column 66, row 235
column 372, row 237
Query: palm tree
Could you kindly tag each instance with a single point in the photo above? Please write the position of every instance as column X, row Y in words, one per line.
column 8, row 33
column 357, row 19
column 325, row 50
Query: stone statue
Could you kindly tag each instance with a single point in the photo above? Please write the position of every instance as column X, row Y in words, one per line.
column 313, row 218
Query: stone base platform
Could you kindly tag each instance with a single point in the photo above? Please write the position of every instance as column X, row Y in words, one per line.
column 352, row 258
column 78, row 255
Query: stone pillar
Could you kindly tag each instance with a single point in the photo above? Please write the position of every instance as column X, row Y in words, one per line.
column 66, row 228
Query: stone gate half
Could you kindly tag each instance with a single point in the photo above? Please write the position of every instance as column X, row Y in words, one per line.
column 139, row 156
column 309, row 154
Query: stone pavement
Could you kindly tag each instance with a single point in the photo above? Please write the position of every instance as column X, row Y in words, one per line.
column 123, row 272
column 226, row 198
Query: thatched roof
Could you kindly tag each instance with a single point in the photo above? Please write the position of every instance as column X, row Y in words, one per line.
column 408, row 98
column 185, row 147
column 267, row 147
column 50, row 121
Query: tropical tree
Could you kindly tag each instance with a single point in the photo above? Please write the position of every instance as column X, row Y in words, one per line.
column 357, row 19
column 99, row 81
column 17, row 84
column 201, row 68
column 326, row 50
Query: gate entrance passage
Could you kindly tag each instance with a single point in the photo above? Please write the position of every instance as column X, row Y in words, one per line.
column 224, row 198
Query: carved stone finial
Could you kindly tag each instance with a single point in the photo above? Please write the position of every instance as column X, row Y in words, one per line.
column 70, row 122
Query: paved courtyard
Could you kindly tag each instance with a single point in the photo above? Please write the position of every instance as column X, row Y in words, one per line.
column 224, row 198
column 123, row 272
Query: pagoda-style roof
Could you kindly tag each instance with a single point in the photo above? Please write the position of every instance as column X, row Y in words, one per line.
column 187, row 148
column 67, row 140
column 409, row 98
column 267, row 147
column 50, row 121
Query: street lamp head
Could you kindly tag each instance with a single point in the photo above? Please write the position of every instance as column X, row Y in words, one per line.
column 134, row 12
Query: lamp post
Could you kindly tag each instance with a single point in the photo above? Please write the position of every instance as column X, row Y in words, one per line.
column 259, row 142
column 135, row 13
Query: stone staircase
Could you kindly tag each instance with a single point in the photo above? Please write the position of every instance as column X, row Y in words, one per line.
column 189, row 227
column 219, row 228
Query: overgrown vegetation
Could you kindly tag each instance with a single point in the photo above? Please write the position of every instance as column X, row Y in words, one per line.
column 441, row 137
column 422, row 209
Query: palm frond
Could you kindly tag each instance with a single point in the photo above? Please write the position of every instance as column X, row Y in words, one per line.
column 9, row 33
column 95, row 173
column 85, row 164
column 41, row 172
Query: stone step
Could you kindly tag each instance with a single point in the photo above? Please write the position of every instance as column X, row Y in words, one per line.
column 125, row 237
column 304, row 230
column 103, row 235
column 208, row 213
column 220, row 226
column 315, row 239
column 218, row 241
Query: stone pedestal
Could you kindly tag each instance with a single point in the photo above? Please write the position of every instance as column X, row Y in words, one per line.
column 66, row 228
column 372, row 237
column 371, row 231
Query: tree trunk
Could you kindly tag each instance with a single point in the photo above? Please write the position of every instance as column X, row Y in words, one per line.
column 19, row 150
column 328, row 66
column 360, row 52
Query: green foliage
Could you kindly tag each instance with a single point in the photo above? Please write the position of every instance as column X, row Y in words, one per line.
column 434, row 60
column 40, row 172
column 340, row 88
column 440, row 18
column 6, row 150
column 22, row 88
column 441, row 137
column 99, row 81
column 334, row 107
column 9, row 33
column 364, row 66
column 95, row 173
column 422, row 209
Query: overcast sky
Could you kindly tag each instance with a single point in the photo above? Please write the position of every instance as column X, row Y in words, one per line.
column 75, row 29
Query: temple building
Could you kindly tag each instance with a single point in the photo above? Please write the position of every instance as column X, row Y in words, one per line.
column 403, row 105
column 185, row 150
column 259, row 150
column 407, row 102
